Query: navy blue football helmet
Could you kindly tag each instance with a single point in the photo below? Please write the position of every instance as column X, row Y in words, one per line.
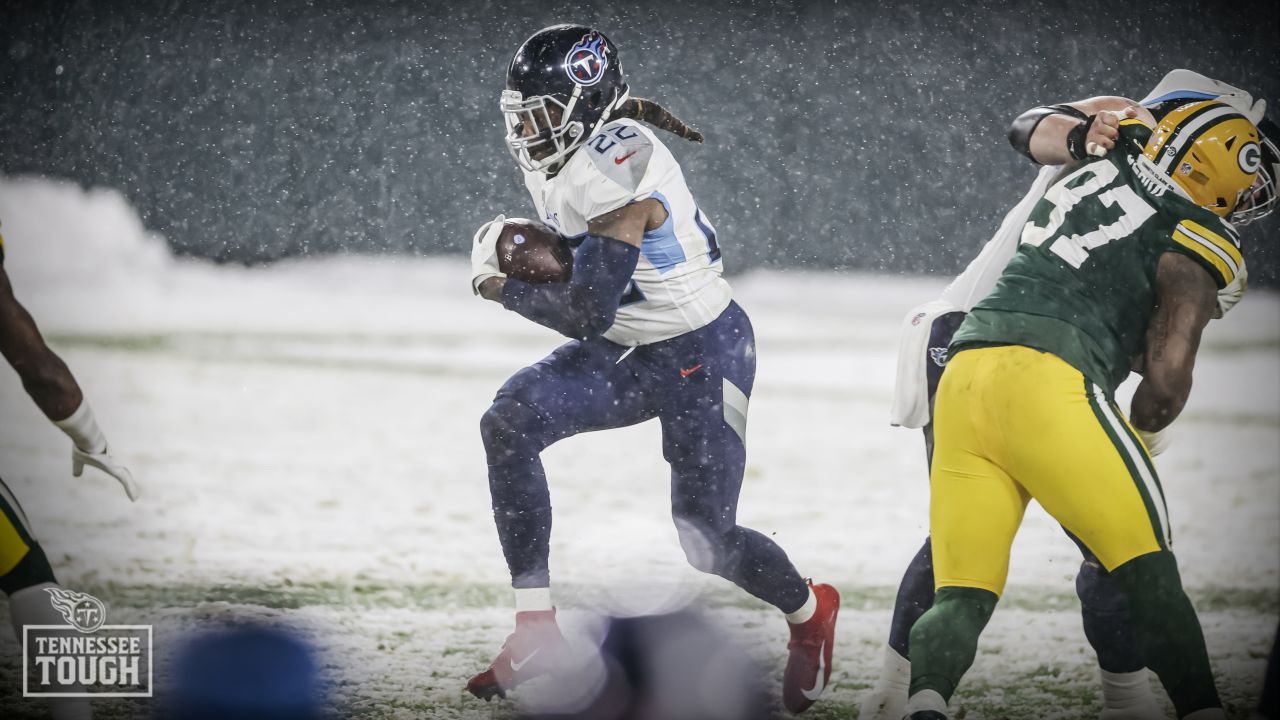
column 565, row 82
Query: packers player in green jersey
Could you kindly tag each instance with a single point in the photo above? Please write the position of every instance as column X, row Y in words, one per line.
column 1119, row 267
column 25, row 573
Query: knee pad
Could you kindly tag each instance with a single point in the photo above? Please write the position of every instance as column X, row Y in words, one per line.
column 1098, row 591
column 511, row 430
column 701, row 546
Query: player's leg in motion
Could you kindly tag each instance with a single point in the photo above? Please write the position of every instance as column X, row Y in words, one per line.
column 1126, row 691
column 975, row 511
column 1016, row 409
column 579, row 387
column 887, row 699
column 1108, row 625
column 706, row 378
column 24, row 574
column 915, row 592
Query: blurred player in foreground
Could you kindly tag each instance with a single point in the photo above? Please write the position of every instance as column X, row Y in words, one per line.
column 25, row 573
column 244, row 671
column 656, row 334
column 1043, row 135
column 1119, row 266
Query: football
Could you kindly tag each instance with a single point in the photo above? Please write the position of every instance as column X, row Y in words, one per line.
column 533, row 252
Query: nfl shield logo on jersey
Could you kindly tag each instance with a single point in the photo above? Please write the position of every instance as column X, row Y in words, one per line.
column 587, row 60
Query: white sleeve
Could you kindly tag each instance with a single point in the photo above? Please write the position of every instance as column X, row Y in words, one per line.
column 619, row 159
column 911, row 388
column 979, row 278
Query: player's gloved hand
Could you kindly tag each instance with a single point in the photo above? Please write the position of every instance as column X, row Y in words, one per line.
column 107, row 464
column 484, row 253
column 1156, row 442
column 1230, row 295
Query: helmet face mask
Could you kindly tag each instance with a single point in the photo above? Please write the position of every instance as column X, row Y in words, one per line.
column 565, row 81
column 556, row 136
column 1259, row 200
column 1212, row 152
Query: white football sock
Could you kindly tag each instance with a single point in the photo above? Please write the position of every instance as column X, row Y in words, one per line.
column 533, row 599
column 1121, row 691
column 806, row 610
column 897, row 670
column 926, row 700
column 32, row 606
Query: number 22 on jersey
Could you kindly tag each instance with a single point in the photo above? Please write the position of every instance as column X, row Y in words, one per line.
column 1068, row 193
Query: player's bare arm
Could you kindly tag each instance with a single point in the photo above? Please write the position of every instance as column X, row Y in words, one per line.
column 54, row 389
column 44, row 375
column 1187, row 300
column 1067, row 133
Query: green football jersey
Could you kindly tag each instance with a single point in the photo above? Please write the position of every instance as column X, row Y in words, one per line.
column 1082, row 284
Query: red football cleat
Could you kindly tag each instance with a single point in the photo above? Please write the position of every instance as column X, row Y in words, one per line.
column 809, row 663
column 535, row 648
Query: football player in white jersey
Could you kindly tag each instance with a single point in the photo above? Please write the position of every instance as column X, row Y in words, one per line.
column 655, row 334
column 1047, row 135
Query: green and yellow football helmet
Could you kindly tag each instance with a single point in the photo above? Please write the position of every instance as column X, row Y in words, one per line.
column 1210, row 150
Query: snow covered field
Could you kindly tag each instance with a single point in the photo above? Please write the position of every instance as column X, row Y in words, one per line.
column 306, row 438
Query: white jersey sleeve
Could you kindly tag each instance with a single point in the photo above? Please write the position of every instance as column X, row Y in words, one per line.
column 910, row 407
column 677, row 285
column 979, row 277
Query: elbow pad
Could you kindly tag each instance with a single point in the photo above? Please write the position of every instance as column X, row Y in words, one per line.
column 1024, row 126
column 585, row 306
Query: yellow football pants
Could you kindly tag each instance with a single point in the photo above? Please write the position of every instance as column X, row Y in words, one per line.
column 1012, row 423
column 15, row 533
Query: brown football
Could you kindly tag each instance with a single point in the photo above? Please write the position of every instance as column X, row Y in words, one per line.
column 533, row 252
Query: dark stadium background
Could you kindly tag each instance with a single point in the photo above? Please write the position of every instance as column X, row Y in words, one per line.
column 859, row 135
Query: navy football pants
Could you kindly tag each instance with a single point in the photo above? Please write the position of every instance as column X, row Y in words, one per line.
column 697, row 386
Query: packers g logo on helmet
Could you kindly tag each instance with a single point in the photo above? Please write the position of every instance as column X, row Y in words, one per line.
column 1210, row 150
column 1250, row 157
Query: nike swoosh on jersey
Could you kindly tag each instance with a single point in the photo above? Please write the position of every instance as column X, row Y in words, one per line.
column 516, row 666
column 818, row 685
column 619, row 161
column 686, row 373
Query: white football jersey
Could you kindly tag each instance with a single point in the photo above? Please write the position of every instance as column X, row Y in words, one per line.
column 677, row 286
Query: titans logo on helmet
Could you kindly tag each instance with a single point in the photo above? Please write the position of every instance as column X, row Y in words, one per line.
column 587, row 60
